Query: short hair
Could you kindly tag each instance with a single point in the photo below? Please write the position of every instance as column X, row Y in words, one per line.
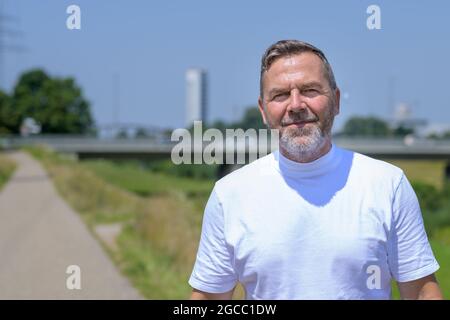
column 284, row 48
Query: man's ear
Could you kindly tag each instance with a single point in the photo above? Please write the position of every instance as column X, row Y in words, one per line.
column 337, row 105
column 261, row 109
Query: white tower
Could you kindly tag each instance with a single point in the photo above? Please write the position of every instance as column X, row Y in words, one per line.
column 196, row 103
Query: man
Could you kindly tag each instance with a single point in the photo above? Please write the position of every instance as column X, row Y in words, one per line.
column 312, row 220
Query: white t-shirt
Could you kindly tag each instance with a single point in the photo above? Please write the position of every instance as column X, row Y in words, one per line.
column 339, row 227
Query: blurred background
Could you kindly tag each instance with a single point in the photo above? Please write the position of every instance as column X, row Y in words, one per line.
column 92, row 94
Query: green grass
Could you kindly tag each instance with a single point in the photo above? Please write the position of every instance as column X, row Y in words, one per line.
column 434, row 221
column 155, row 274
column 426, row 171
column 7, row 167
column 145, row 182
column 440, row 244
column 442, row 252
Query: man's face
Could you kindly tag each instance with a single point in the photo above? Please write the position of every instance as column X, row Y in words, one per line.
column 297, row 100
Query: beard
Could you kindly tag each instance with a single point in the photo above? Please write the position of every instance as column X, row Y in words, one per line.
column 305, row 143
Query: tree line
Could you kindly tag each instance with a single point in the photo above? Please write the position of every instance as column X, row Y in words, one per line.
column 56, row 104
column 356, row 126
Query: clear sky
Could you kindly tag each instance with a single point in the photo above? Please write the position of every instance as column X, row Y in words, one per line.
column 150, row 44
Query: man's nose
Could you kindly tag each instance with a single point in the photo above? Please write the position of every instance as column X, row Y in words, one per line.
column 296, row 102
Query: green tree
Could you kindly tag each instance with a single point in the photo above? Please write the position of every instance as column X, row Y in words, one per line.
column 402, row 131
column 220, row 125
column 122, row 134
column 56, row 103
column 141, row 133
column 6, row 124
column 251, row 119
column 366, row 127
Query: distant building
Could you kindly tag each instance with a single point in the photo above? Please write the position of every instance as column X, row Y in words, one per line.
column 196, row 95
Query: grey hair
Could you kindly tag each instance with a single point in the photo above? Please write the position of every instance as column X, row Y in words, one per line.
column 284, row 48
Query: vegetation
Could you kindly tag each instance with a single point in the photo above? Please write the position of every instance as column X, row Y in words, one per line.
column 7, row 167
column 57, row 104
column 373, row 127
column 251, row 119
column 429, row 172
column 434, row 197
column 443, row 136
column 370, row 126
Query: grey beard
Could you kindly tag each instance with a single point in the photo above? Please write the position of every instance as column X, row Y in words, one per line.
column 314, row 140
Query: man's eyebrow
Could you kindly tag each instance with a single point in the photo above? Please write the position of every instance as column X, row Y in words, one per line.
column 310, row 84
column 274, row 91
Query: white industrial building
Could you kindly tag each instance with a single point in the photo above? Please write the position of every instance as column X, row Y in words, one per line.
column 196, row 95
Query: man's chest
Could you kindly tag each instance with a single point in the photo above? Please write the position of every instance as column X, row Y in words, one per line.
column 347, row 234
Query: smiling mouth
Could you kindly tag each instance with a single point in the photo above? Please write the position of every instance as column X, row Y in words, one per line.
column 300, row 123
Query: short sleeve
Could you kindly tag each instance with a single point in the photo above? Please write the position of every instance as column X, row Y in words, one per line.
column 410, row 255
column 213, row 270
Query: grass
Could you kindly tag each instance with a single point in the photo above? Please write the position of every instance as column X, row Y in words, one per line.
column 441, row 249
column 7, row 167
column 155, row 274
column 427, row 171
column 145, row 182
column 442, row 252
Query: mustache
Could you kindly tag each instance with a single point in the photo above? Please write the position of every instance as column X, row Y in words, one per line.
column 299, row 118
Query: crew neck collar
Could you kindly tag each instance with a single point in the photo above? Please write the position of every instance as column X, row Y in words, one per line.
column 320, row 166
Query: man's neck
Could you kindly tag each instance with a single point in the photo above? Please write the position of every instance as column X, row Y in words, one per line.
column 310, row 156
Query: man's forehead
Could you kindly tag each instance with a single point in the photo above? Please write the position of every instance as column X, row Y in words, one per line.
column 302, row 67
column 300, row 63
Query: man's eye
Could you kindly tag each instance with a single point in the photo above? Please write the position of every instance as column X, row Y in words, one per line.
column 310, row 92
column 280, row 96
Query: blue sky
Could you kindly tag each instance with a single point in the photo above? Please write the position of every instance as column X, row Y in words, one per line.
column 150, row 45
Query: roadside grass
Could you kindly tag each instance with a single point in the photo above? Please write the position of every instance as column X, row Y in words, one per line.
column 158, row 242
column 144, row 182
column 7, row 167
column 426, row 171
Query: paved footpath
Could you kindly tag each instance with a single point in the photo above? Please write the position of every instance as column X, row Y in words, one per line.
column 40, row 236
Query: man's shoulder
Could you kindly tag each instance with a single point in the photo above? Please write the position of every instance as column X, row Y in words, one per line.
column 247, row 174
column 375, row 168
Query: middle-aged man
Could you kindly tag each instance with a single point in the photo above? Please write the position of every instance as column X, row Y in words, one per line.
column 311, row 220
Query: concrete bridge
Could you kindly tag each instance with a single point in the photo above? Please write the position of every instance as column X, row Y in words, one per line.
column 152, row 149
